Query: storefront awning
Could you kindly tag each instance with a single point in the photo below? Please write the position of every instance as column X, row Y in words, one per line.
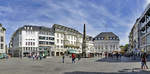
column 72, row 51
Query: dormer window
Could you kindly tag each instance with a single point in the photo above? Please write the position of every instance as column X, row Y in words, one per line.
column 28, row 28
column 113, row 38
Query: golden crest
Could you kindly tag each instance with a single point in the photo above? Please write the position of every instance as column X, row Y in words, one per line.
column 106, row 38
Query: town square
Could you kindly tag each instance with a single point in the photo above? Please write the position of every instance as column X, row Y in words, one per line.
column 84, row 66
column 74, row 36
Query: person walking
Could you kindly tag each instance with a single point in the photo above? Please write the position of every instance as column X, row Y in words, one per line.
column 33, row 56
column 143, row 62
column 73, row 58
column 40, row 56
column 63, row 58
column 79, row 57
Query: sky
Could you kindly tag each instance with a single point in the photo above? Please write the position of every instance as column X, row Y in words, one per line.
column 116, row 16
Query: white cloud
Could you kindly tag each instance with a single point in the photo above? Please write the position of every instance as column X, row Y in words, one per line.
column 78, row 16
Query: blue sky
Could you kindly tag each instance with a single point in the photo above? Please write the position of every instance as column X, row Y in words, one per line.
column 116, row 16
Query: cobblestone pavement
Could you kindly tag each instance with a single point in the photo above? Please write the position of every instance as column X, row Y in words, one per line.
column 84, row 66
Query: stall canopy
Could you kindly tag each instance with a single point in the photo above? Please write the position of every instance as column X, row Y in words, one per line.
column 72, row 51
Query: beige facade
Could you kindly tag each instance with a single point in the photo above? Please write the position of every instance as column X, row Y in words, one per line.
column 66, row 39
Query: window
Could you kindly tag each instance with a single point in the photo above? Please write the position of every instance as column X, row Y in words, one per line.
column 29, row 43
column 57, row 46
column 51, row 43
column 61, row 41
column 51, row 38
column 2, row 46
column 41, row 37
column 58, row 35
column 46, row 38
column 41, row 42
column 110, row 46
column 114, row 47
column 106, row 47
column 57, row 40
column 2, row 39
column 46, row 43
column 26, row 43
column 33, row 43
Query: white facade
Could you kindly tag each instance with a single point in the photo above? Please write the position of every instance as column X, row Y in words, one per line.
column 2, row 40
column 32, row 39
column 106, row 42
column 106, row 46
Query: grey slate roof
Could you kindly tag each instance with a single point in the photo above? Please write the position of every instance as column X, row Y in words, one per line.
column 37, row 28
column 63, row 28
column 105, row 35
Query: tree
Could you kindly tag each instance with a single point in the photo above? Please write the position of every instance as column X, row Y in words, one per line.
column 124, row 48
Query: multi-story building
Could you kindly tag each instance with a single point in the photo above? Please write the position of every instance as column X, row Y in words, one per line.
column 144, row 24
column 32, row 40
column 2, row 40
column 66, row 39
column 141, row 42
column 134, row 37
column 106, row 42
column 90, row 45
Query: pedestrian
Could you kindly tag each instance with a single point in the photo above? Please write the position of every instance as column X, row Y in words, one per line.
column 79, row 57
column 40, row 56
column 117, row 55
column 33, row 56
column 73, row 58
column 143, row 62
column 63, row 58
column 105, row 54
column 37, row 56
